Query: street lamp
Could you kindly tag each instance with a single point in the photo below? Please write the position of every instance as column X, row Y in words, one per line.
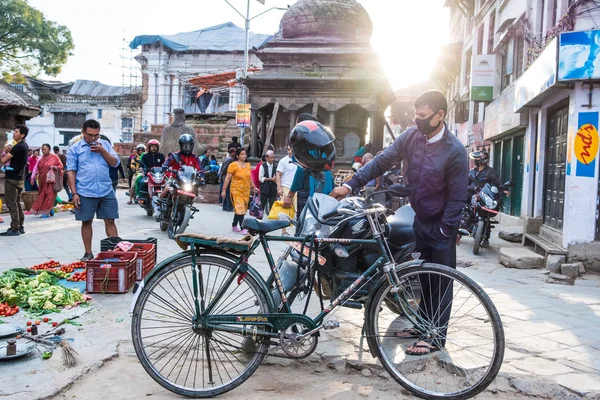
column 247, row 20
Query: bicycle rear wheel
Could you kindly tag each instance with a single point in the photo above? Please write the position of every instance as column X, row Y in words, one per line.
column 455, row 316
column 190, row 361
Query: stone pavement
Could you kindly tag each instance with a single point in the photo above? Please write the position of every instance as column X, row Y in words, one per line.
column 552, row 331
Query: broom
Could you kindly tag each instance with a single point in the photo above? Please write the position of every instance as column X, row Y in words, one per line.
column 68, row 354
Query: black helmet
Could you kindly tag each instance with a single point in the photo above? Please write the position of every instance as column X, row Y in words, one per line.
column 313, row 145
column 480, row 157
column 186, row 144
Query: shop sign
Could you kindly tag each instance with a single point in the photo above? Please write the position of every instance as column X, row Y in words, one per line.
column 483, row 76
column 585, row 144
column 578, row 56
column 538, row 78
column 242, row 116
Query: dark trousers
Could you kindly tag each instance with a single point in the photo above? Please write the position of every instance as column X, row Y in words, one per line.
column 66, row 186
column 227, row 206
column 267, row 200
column 436, row 291
column 303, row 195
column 12, row 197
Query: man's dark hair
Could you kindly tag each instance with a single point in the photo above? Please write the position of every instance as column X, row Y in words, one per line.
column 91, row 123
column 434, row 99
column 22, row 129
column 306, row 117
column 56, row 148
column 231, row 151
column 368, row 147
column 234, row 139
column 213, row 157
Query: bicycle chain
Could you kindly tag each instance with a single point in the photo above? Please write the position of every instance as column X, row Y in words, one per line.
column 256, row 352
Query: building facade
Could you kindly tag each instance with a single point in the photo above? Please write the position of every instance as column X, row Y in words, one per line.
column 168, row 62
column 66, row 106
column 522, row 86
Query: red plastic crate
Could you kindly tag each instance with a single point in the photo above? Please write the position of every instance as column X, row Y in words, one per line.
column 111, row 272
column 145, row 260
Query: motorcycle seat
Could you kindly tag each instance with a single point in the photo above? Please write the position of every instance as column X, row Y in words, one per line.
column 401, row 225
column 256, row 225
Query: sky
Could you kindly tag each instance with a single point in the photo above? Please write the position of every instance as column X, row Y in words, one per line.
column 408, row 34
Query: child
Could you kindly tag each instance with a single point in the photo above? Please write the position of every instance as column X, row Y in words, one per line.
column 7, row 149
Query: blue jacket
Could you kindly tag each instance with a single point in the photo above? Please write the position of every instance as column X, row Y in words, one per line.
column 437, row 174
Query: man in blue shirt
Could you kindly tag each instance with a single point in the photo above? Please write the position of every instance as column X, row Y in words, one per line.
column 88, row 164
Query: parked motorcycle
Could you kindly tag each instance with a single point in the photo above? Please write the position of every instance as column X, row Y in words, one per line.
column 478, row 216
column 340, row 265
column 178, row 207
column 152, row 185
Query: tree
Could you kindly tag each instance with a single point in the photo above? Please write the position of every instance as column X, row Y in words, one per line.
column 29, row 42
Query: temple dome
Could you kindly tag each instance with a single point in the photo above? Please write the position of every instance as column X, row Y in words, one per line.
column 337, row 19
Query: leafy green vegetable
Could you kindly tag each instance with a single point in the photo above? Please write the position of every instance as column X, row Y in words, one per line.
column 46, row 355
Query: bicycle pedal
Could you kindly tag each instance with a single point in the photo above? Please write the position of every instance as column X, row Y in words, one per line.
column 331, row 325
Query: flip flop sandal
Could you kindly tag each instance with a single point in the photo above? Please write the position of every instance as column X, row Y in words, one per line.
column 430, row 349
column 129, row 203
column 408, row 333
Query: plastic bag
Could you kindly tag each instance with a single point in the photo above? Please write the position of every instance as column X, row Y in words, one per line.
column 50, row 176
column 57, row 186
column 255, row 207
column 278, row 209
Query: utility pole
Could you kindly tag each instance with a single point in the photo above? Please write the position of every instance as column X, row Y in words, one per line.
column 247, row 20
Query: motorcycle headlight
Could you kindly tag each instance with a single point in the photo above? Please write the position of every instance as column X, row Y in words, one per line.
column 489, row 202
column 311, row 226
column 158, row 178
column 188, row 187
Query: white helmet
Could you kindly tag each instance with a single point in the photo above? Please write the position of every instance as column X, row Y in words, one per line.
column 356, row 166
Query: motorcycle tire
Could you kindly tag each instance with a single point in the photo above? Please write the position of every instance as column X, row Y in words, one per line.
column 149, row 212
column 164, row 226
column 479, row 229
column 182, row 215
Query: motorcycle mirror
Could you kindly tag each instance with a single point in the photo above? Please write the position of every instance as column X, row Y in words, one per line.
column 399, row 190
column 285, row 217
column 508, row 184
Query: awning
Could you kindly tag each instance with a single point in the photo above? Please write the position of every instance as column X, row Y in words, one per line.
column 207, row 82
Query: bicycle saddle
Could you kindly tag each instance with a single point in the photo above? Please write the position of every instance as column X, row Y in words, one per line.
column 256, row 225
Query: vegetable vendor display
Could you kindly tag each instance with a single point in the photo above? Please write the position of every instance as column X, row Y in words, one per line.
column 38, row 292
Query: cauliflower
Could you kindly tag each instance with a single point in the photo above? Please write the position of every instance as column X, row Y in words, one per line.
column 49, row 305
column 58, row 298
column 33, row 283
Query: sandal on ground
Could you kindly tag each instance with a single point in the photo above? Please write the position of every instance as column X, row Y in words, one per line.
column 129, row 203
column 414, row 350
column 408, row 333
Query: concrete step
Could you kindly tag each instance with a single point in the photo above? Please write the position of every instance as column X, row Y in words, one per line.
column 544, row 246
column 520, row 258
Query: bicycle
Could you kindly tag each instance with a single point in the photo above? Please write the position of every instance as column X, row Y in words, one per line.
column 204, row 319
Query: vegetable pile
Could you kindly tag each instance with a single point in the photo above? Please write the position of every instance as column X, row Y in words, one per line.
column 78, row 277
column 39, row 293
column 7, row 311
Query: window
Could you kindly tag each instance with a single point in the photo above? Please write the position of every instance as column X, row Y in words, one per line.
column 491, row 33
column 504, row 71
column 476, row 112
column 462, row 112
column 480, row 39
column 69, row 120
column 519, row 55
column 18, row 86
column 127, row 123
column 468, row 58
column 99, row 113
column 553, row 11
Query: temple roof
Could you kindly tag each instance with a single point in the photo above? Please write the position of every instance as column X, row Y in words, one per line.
column 336, row 19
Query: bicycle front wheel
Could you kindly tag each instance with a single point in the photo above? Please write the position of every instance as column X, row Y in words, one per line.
column 196, row 362
column 448, row 346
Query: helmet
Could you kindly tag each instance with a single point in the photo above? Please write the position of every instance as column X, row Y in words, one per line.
column 356, row 166
column 186, row 144
column 140, row 146
column 480, row 157
column 313, row 145
column 153, row 142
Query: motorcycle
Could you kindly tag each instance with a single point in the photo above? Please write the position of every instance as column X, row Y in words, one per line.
column 478, row 216
column 154, row 183
column 178, row 207
column 337, row 265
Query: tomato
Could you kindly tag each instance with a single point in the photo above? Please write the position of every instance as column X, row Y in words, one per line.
column 54, row 324
column 37, row 322
column 29, row 329
column 46, row 319
column 19, row 336
column 28, row 323
column 17, row 308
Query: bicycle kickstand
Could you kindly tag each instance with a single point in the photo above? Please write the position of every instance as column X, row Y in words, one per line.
column 361, row 343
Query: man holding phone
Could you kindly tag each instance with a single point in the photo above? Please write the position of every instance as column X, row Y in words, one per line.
column 88, row 164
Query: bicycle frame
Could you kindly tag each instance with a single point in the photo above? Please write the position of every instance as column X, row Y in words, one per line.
column 276, row 320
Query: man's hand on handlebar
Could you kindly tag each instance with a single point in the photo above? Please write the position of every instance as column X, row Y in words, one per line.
column 340, row 193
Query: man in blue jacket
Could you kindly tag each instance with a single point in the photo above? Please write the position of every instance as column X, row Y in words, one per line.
column 437, row 174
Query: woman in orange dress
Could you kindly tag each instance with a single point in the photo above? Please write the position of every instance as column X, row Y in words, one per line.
column 238, row 174
column 47, row 196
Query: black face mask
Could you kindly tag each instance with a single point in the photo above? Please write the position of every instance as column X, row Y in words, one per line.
column 424, row 125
